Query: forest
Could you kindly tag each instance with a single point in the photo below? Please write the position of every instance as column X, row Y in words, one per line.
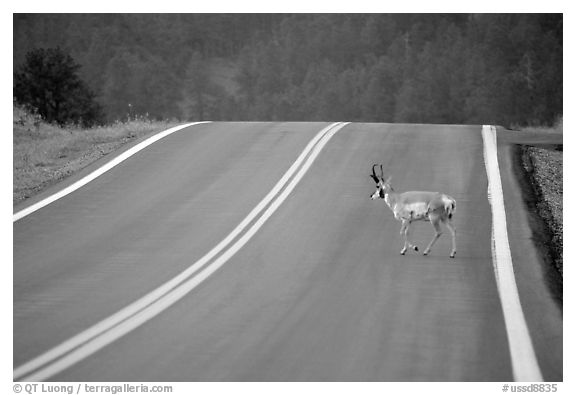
column 501, row 69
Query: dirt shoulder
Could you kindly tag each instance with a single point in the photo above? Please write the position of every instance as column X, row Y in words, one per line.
column 538, row 164
column 544, row 169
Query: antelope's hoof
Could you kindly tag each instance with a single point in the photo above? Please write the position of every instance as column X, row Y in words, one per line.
column 452, row 255
column 415, row 248
column 403, row 252
column 425, row 252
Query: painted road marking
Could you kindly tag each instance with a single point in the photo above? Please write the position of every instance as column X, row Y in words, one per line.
column 524, row 362
column 134, row 315
column 98, row 172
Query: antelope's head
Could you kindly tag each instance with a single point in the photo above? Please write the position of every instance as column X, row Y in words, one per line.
column 382, row 184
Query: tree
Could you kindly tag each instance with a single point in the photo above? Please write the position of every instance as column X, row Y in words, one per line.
column 379, row 97
column 120, row 92
column 202, row 97
column 446, row 68
column 197, row 84
column 48, row 82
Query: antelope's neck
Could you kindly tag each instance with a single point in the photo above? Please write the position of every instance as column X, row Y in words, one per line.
column 390, row 199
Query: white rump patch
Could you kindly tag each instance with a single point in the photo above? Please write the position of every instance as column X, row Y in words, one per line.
column 447, row 202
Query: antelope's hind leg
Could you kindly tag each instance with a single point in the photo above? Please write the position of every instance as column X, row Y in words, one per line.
column 450, row 226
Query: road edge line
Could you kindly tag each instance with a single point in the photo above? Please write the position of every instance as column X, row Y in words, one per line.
column 99, row 171
column 524, row 361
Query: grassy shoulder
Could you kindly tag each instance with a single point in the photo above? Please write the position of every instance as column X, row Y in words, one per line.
column 544, row 168
column 44, row 154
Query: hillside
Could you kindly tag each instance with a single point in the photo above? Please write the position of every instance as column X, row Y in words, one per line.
column 424, row 68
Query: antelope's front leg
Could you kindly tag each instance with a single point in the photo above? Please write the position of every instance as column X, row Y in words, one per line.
column 435, row 221
column 404, row 231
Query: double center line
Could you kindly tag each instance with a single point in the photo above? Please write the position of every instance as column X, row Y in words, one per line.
column 132, row 316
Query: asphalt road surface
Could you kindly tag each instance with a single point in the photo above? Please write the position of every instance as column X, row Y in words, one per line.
column 318, row 293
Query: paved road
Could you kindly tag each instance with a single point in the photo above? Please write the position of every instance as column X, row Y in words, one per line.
column 319, row 292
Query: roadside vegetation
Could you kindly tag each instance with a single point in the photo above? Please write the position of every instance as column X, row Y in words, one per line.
column 44, row 154
column 544, row 166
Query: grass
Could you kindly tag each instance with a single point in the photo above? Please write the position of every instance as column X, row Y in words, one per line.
column 44, row 154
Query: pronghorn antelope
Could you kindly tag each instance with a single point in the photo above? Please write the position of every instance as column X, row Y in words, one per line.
column 417, row 206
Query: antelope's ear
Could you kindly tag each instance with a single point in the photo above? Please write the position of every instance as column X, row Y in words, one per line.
column 385, row 180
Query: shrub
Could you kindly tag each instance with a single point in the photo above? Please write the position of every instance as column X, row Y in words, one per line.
column 48, row 82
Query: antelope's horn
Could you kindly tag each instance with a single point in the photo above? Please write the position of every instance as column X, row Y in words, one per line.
column 373, row 175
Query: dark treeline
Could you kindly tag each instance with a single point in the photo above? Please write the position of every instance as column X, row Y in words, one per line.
column 431, row 68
